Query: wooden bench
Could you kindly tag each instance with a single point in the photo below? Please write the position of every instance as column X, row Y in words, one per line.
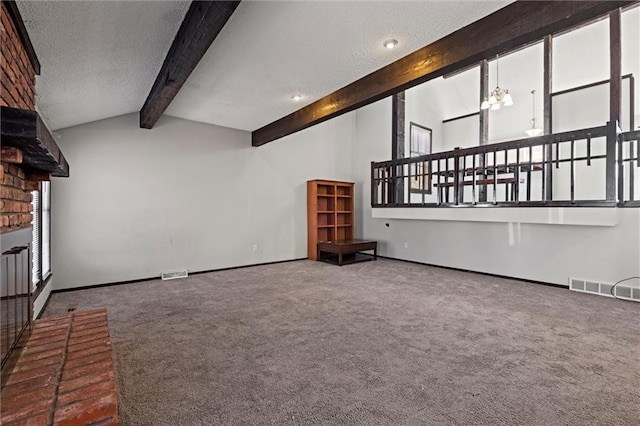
column 346, row 247
column 64, row 374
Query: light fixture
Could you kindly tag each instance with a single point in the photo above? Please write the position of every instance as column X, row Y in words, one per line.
column 533, row 131
column 390, row 44
column 296, row 97
column 499, row 97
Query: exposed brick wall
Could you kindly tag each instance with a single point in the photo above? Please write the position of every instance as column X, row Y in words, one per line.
column 17, row 75
column 15, row 199
column 17, row 78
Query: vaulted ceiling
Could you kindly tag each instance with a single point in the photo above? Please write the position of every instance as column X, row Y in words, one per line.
column 100, row 58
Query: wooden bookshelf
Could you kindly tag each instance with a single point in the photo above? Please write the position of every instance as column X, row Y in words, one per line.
column 329, row 213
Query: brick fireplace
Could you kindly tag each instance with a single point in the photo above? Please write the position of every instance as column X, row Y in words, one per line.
column 29, row 156
column 18, row 78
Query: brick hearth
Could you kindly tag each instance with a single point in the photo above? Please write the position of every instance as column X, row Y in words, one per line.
column 64, row 374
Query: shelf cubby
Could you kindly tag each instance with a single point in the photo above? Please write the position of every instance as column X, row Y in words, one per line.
column 329, row 213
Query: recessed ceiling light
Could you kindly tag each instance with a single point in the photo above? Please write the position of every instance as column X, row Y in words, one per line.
column 390, row 44
column 296, row 97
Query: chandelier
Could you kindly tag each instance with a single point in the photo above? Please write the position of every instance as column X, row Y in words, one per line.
column 533, row 131
column 499, row 97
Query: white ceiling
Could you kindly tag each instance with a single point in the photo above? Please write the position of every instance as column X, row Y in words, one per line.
column 99, row 59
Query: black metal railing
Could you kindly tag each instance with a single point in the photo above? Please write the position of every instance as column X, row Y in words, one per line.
column 629, row 168
column 16, row 305
column 577, row 168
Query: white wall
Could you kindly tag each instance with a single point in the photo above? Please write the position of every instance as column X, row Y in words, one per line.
column 184, row 195
column 520, row 72
column 574, row 65
column 195, row 196
column 461, row 133
column 430, row 103
column 8, row 241
column 41, row 300
column 549, row 253
column 20, row 238
column 581, row 56
column 630, row 22
column 421, row 109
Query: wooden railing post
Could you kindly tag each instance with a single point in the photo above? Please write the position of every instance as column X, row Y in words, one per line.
column 615, row 97
column 458, row 177
column 397, row 145
column 373, row 185
column 632, row 126
column 620, row 169
column 547, row 187
column 610, row 168
column 484, row 127
column 391, row 185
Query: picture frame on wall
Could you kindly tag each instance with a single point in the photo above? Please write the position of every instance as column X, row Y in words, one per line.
column 420, row 138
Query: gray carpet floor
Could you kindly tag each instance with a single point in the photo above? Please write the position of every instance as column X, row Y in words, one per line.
column 374, row 343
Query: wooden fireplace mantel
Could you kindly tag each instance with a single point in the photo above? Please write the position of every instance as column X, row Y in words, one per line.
column 25, row 129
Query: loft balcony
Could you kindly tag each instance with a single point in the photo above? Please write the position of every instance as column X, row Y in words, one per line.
column 593, row 167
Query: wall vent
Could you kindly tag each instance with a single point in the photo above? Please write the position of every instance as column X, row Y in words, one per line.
column 629, row 290
column 172, row 275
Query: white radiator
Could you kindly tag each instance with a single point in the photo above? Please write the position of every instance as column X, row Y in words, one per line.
column 172, row 275
column 628, row 290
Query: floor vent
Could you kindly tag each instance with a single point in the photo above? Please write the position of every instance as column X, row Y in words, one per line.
column 174, row 274
column 629, row 290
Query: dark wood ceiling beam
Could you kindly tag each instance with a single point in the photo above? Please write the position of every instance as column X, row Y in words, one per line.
column 515, row 25
column 201, row 25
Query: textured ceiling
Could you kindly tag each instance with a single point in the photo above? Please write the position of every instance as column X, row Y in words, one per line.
column 99, row 59
column 270, row 50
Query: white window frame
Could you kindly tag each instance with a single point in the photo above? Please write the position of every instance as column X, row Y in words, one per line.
column 41, row 239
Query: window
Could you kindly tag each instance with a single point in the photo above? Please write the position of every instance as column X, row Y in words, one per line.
column 46, row 229
column 420, row 144
column 41, row 241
